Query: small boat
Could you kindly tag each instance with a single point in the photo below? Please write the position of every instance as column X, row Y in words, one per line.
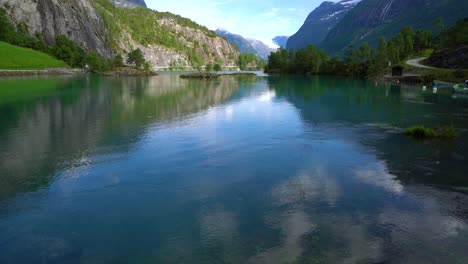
column 460, row 88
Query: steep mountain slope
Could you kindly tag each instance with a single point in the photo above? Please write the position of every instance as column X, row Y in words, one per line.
column 262, row 50
column 129, row 3
column 319, row 23
column 242, row 43
column 245, row 45
column 281, row 41
column 76, row 19
column 167, row 40
column 371, row 19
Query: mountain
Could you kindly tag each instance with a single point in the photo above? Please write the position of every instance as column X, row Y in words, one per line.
column 129, row 3
column 371, row 19
column 166, row 40
column 262, row 50
column 76, row 19
column 319, row 23
column 242, row 43
column 281, row 41
column 253, row 46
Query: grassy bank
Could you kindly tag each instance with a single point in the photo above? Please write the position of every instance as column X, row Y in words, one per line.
column 428, row 75
column 17, row 58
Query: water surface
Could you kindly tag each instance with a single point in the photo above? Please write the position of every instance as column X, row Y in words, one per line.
column 237, row 170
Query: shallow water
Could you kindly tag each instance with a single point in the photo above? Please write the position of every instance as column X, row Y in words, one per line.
column 237, row 170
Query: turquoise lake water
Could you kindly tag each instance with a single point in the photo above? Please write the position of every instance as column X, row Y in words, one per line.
column 237, row 170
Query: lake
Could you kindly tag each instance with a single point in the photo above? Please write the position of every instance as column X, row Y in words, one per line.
column 236, row 170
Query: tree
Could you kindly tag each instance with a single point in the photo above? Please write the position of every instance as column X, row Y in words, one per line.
column 393, row 52
column 382, row 52
column 407, row 35
column 69, row 52
column 455, row 36
column 7, row 30
column 350, row 54
column 136, row 59
column 439, row 25
column 422, row 40
column 209, row 67
column 117, row 61
column 247, row 58
column 364, row 52
column 147, row 66
column 94, row 62
column 217, row 67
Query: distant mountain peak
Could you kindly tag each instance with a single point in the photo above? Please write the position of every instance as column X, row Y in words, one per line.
column 269, row 44
column 129, row 3
column 370, row 19
column 281, row 41
column 349, row 2
column 254, row 46
column 319, row 23
column 221, row 30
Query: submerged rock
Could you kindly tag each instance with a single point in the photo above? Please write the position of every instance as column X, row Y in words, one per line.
column 200, row 75
column 128, row 71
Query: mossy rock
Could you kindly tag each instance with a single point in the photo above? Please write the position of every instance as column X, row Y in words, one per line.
column 128, row 71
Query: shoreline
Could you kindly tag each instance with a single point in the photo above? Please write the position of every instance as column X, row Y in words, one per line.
column 51, row 71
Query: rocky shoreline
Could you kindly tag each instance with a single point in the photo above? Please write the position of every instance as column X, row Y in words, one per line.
column 54, row 71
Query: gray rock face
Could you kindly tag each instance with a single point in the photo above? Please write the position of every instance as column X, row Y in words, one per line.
column 371, row 19
column 81, row 22
column 319, row 23
column 76, row 19
column 262, row 49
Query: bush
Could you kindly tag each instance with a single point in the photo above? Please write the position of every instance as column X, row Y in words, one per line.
column 217, row 67
column 447, row 133
column 7, row 29
column 68, row 51
column 117, row 61
column 94, row 62
column 136, row 59
column 420, row 132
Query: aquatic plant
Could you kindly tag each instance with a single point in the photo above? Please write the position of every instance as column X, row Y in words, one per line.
column 420, row 132
column 447, row 133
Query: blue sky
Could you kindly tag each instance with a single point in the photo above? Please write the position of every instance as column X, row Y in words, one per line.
column 258, row 19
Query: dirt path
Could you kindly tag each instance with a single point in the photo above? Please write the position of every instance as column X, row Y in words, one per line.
column 417, row 63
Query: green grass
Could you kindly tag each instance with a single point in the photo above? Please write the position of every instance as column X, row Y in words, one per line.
column 448, row 75
column 17, row 58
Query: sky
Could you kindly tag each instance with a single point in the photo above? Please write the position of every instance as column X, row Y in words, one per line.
column 257, row 19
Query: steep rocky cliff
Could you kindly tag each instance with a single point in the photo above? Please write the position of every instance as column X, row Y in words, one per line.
column 76, row 19
column 242, row 43
column 319, row 23
column 371, row 19
column 167, row 40
column 262, row 50
column 248, row 45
